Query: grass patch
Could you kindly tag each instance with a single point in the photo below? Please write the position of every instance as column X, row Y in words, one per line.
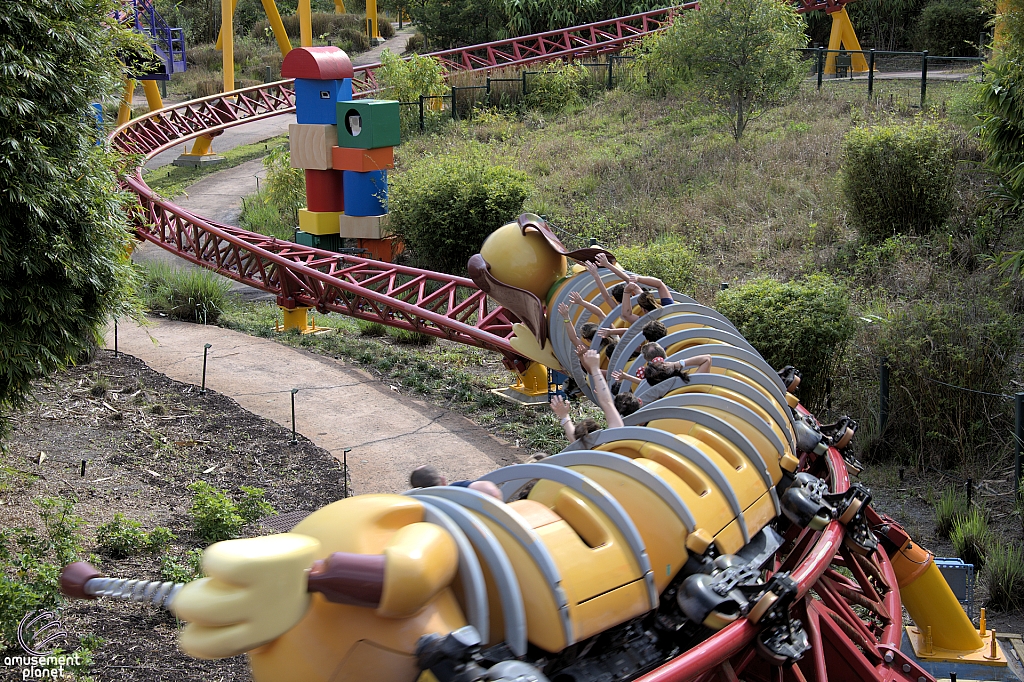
column 1004, row 577
column 950, row 506
column 189, row 293
column 971, row 537
column 260, row 214
column 172, row 181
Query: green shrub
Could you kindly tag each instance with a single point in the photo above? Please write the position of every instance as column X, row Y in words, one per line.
column 971, row 537
column 897, row 179
column 669, row 258
column 122, row 538
column 443, row 208
column 217, row 517
column 384, row 27
column 261, row 215
column 214, row 514
column 30, row 564
column 252, row 506
column 285, row 186
column 1002, row 125
column 950, row 506
column 406, row 79
column 806, row 324
column 189, row 568
column 1004, row 577
column 189, row 293
column 416, row 43
column 933, row 348
column 410, row 338
column 371, row 328
column 950, row 28
column 556, row 86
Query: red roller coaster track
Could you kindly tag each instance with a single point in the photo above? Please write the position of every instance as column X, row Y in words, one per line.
column 853, row 622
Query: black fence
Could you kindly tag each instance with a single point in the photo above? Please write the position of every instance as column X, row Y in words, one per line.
column 890, row 66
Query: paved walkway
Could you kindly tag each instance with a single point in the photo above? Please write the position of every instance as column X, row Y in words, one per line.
column 337, row 406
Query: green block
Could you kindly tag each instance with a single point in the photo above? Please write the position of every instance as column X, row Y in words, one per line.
column 368, row 124
column 327, row 242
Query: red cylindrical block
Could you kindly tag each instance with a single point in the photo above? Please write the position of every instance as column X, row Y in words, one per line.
column 324, row 191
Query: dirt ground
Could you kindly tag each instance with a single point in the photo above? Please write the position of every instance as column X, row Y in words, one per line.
column 144, row 438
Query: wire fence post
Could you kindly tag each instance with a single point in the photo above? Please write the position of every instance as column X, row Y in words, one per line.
column 423, row 125
column 294, row 438
column 488, row 89
column 883, row 395
column 455, row 110
column 1018, row 431
column 924, row 76
column 206, row 349
column 871, row 72
column 821, row 65
column 611, row 57
column 115, row 338
column 524, row 83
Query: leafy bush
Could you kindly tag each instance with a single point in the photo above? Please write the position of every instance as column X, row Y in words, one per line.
column 806, row 324
column 932, row 348
column 669, row 258
column 1002, row 125
column 443, row 208
column 121, row 538
column 285, row 186
column 897, row 179
column 252, row 506
column 1004, row 577
column 214, row 514
column 190, row 293
column 416, row 43
column 30, row 564
column 950, row 28
column 950, row 506
column 217, row 517
column 971, row 537
column 557, row 85
column 189, row 568
column 406, row 79
column 384, row 28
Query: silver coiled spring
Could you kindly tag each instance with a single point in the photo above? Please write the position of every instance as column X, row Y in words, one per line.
column 153, row 591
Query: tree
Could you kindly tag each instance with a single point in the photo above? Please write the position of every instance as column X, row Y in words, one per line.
column 951, row 27
column 64, row 267
column 740, row 53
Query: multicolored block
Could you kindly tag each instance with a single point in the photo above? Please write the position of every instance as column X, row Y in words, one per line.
column 362, row 227
column 317, row 63
column 317, row 101
column 366, row 194
column 362, row 160
column 316, row 222
column 325, row 191
column 368, row 124
column 311, row 145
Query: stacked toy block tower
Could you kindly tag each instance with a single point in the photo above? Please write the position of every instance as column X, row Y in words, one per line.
column 345, row 148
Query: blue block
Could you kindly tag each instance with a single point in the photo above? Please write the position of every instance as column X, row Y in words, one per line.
column 366, row 193
column 317, row 101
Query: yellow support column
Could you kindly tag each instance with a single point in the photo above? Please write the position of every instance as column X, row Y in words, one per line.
column 941, row 630
column 305, row 23
column 371, row 18
column 220, row 34
column 124, row 112
column 153, row 97
column 299, row 319
column 339, row 7
column 999, row 34
column 844, row 37
column 227, row 34
column 280, row 35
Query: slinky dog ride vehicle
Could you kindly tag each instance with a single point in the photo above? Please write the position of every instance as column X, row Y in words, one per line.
column 685, row 543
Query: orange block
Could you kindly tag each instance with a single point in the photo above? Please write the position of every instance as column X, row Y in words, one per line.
column 363, row 160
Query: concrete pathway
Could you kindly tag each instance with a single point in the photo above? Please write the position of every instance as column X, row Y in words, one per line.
column 337, row 406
